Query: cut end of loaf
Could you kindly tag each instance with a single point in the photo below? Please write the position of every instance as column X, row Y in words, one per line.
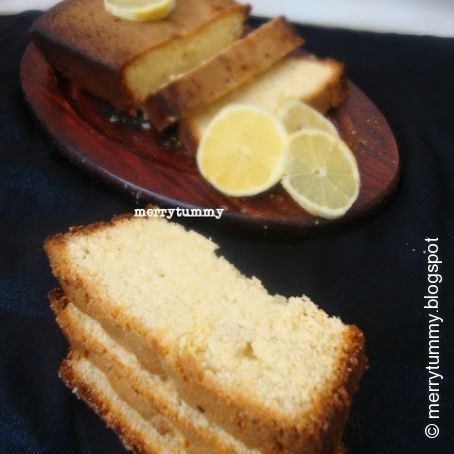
column 227, row 70
column 151, row 71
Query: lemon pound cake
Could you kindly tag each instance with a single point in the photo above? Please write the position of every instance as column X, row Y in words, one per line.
column 320, row 83
column 123, row 61
column 153, row 397
column 240, row 62
column 276, row 374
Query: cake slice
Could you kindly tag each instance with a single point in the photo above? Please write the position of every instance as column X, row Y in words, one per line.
column 89, row 383
column 153, row 397
column 149, row 393
column 123, row 61
column 318, row 82
column 240, row 62
column 277, row 374
column 137, row 434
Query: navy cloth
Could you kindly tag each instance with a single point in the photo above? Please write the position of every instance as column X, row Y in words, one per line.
column 372, row 273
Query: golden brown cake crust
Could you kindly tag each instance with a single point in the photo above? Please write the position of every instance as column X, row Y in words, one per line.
column 246, row 420
column 226, row 71
column 91, row 46
column 335, row 92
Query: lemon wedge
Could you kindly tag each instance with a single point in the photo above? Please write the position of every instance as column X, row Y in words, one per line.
column 140, row 10
column 242, row 152
column 296, row 116
column 321, row 173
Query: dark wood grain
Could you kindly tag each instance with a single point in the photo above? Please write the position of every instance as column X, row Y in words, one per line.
column 135, row 161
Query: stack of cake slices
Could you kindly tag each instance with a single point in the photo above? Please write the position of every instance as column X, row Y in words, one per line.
column 178, row 352
column 186, row 67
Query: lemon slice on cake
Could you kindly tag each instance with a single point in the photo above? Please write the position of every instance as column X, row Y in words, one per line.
column 321, row 173
column 296, row 116
column 242, row 152
column 140, row 10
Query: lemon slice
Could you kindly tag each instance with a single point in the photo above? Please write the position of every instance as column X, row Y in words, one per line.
column 297, row 116
column 242, row 152
column 140, row 10
column 321, row 173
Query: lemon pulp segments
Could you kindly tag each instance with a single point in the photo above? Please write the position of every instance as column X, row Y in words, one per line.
column 140, row 10
column 321, row 173
column 242, row 151
column 296, row 116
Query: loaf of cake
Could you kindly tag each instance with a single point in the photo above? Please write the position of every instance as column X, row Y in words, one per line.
column 320, row 83
column 253, row 371
column 240, row 62
column 123, row 61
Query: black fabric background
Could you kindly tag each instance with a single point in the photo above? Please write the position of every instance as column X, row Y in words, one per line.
column 371, row 273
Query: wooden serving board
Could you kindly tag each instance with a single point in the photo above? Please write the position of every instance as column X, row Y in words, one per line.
column 142, row 164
